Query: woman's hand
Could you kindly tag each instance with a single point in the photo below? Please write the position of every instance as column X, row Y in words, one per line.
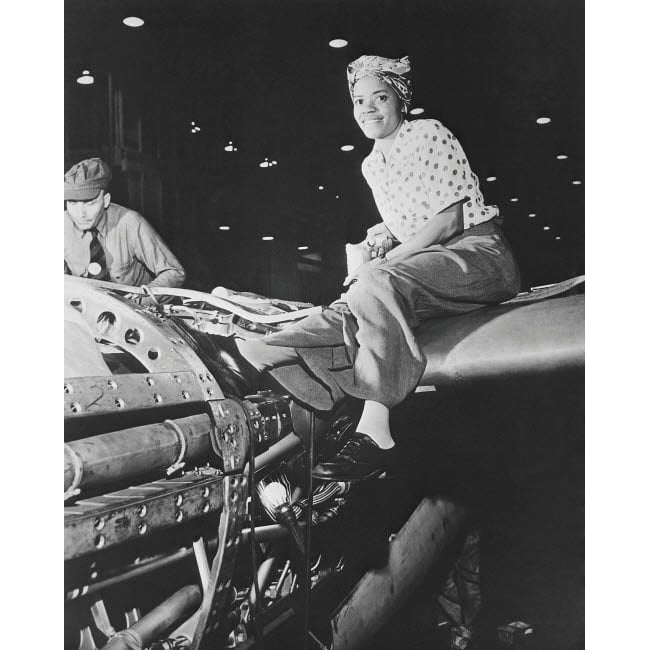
column 354, row 276
column 379, row 240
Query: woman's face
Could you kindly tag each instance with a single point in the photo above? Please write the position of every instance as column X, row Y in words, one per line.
column 377, row 109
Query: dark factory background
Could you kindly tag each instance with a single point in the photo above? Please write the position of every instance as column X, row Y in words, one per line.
column 223, row 121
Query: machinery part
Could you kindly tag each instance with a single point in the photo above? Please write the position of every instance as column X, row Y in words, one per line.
column 208, row 627
column 154, row 341
column 381, row 592
column 124, row 455
column 197, row 296
column 129, row 392
column 103, row 521
column 270, row 417
column 169, row 614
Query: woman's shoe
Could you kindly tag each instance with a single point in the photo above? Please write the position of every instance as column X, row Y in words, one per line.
column 360, row 458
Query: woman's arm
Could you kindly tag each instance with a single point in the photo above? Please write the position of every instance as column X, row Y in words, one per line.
column 441, row 228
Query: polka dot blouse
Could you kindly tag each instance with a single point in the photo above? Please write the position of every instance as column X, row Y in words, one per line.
column 425, row 172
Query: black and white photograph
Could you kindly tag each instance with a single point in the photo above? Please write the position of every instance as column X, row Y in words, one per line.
column 324, row 324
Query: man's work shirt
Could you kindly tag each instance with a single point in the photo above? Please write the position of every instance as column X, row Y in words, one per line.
column 135, row 253
column 425, row 172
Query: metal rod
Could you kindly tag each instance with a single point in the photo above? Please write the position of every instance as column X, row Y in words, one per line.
column 171, row 612
column 310, row 503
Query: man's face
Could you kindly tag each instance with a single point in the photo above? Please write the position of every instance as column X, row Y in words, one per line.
column 86, row 214
column 377, row 109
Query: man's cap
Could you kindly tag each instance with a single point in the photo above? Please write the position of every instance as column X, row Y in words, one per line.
column 83, row 181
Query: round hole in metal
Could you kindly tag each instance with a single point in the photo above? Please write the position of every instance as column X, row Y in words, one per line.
column 75, row 407
column 99, row 523
column 120, row 403
column 106, row 322
column 78, row 305
column 158, row 398
column 206, row 507
column 142, row 510
column 179, row 516
column 179, row 499
column 185, row 395
column 132, row 336
column 112, row 384
column 206, row 492
column 68, row 389
column 153, row 353
column 150, row 381
column 143, row 528
column 100, row 540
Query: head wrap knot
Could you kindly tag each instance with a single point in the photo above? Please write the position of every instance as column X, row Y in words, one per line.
column 396, row 73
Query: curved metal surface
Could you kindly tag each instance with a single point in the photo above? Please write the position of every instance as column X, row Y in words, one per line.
column 504, row 341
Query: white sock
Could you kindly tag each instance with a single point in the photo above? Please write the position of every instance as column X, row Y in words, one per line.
column 375, row 424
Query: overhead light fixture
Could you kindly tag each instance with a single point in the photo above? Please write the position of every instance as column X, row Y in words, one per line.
column 265, row 163
column 338, row 42
column 543, row 120
column 224, row 227
column 532, row 214
column 273, row 162
column 558, row 237
column 86, row 78
column 561, row 156
column 491, row 179
column 320, row 187
column 576, row 182
column 230, row 146
column 267, row 238
column 547, row 227
column 133, row 21
column 337, row 197
column 514, row 199
column 303, row 248
column 347, row 147
column 416, row 111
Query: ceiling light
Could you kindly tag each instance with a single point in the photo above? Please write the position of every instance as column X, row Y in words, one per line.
column 561, row 156
column 576, row 182
column 558, row 237
column 267, row 238
column 320, row 187
column 229, row 146
column 416, row 111
column 303, row 248
column 547, row 227
column 489, row 179
column 338, row 42
column 265, row 163
column 224, row 227
column 514, row 199
column 347, row 147
column 133, row 21
column 532, row 214
column 337, row 196
column 192, row 123
column 543, row 120
column 86, row 78
column 274, row 162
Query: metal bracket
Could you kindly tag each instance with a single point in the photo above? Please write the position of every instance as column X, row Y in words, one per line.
column 223, row 564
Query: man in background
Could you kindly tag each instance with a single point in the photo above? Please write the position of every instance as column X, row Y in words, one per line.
column 105, row 241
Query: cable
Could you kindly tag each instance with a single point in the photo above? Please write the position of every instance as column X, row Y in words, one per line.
column 310, row 499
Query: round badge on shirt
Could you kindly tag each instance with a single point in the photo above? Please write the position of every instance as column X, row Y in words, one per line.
column 94, row 268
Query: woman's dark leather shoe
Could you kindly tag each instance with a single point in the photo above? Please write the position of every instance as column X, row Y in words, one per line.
column 360, row 458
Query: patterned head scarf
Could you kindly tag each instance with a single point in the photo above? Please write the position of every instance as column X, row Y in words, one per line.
column 396, row 73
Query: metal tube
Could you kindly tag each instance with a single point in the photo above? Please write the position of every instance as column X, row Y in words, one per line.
column 381, row 592
column 129, row 453
column 280, row 450
column 152, row 626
